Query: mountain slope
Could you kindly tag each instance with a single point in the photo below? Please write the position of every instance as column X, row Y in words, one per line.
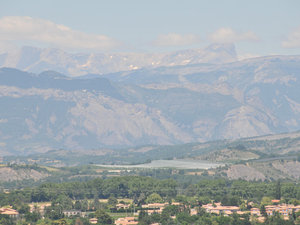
column 36, row 116
column 165, row 105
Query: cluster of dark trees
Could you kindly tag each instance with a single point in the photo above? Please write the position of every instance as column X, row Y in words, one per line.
column 232, row 191
column 138, row 187
column 121, row 187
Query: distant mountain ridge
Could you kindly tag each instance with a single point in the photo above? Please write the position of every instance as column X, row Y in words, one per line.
column 37, row 60
column 161, row 106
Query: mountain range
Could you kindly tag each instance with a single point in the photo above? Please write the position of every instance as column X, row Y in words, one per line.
column 38, row 60
column 176, row 101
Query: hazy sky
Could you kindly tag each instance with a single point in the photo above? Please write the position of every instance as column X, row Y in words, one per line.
column 257, row 27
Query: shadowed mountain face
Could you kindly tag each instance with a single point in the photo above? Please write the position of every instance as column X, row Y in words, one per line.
column 163, row 105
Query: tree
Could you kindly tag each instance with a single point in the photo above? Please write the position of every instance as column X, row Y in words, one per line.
column 142, row 215
column 84, row 205
column 32, row 217
column 77, row 205
column 154, row 198
column 263, row 211
column 278, row 190
column 23, row 209
column 78, row 221
column 81, row 221
column 5, row 220
column 96, row 204
column 230, row 200
column 103, row 217
column 141, row 199
column 64, row 201
column 266, row 201
column 112, row 201
column 60, row 222
column 54, row 212
column 222, row 220
column 185, row 218
column 171, row 210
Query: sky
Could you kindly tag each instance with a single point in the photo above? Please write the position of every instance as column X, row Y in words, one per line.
column 256, row 27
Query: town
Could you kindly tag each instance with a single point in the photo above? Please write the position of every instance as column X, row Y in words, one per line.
column 136, row 215
column 143, row 200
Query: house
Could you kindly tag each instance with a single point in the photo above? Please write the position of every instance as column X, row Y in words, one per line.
column 155, row 205
column 217, row 208
column 10, row 212
column 176, row 203
column 282, row 209
column 39, row 207
column 255, row 212
column 69, row 213
column 193, row 212
column 122, row 206
column 126, row 221
column 297, row 208
column 227, row 212
column 261, row 219
column 151, row 211
column 275, row 201
column 93, row 220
